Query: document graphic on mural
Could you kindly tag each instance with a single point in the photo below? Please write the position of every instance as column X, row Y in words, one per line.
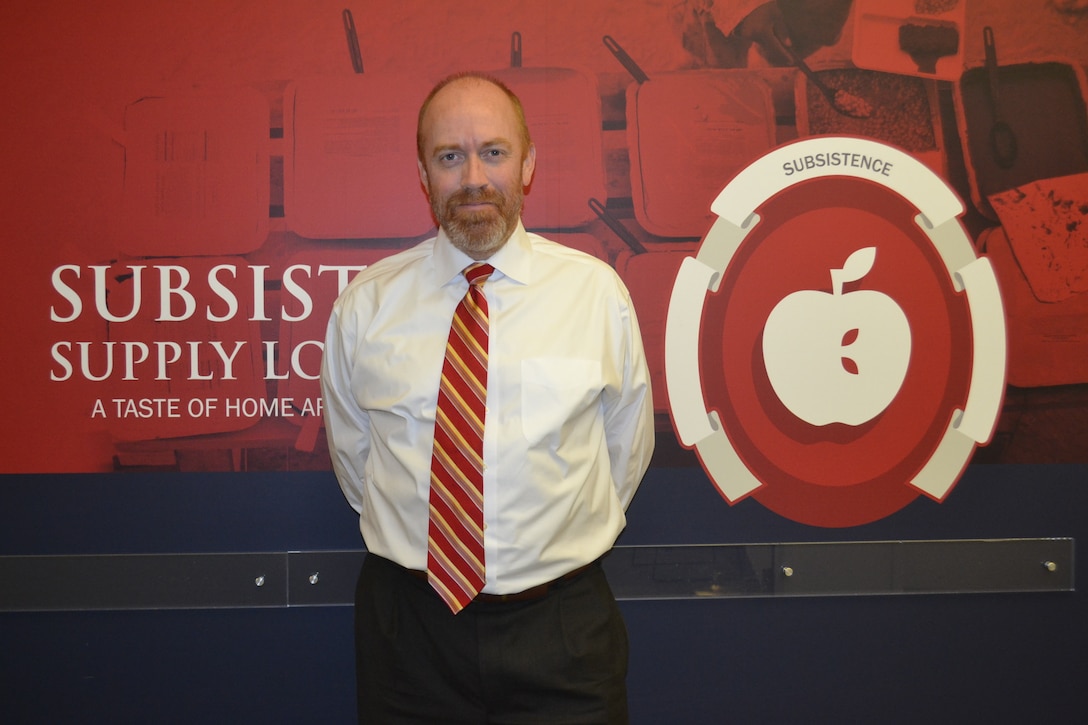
column 835, row 348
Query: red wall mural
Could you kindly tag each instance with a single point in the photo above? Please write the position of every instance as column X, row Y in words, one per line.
column 186, row 189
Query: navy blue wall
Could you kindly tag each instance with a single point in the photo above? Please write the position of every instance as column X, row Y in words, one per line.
column 1011, row 658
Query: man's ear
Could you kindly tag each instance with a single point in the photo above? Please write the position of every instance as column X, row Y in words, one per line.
column 423, row 177
column 528, row 165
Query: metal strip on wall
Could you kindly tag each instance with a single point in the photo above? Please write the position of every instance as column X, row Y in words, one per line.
column 327, row 578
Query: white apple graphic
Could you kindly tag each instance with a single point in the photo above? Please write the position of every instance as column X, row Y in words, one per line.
column 837, row 358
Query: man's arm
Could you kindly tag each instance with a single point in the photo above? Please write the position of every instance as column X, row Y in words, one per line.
column 346, row 424
column 629, row 409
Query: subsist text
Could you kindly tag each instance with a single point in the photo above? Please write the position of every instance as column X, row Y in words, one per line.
column 228, row 291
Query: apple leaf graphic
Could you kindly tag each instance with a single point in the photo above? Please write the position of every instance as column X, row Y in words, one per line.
column 857, row 265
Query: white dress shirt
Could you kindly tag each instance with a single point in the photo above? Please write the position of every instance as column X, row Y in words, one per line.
column 569, row 428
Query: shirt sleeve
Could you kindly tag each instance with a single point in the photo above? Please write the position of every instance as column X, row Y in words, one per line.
column 629, row 408
column 346, row 424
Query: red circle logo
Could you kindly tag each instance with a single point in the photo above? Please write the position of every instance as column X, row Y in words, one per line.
column 835, row 350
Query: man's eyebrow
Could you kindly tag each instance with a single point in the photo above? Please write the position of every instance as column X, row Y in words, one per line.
column 446, row 147
column 490, row 143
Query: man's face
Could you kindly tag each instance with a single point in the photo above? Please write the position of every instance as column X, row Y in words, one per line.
column 474, row 166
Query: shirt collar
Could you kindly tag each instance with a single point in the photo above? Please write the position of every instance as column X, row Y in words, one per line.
column 513, row 260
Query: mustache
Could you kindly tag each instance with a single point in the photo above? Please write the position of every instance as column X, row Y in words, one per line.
column 475, row 196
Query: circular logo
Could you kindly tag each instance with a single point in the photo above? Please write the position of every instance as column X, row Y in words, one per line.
column 835, row 347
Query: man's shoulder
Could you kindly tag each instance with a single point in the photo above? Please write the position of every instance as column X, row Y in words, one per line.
column 571, row 266
column 562, row 254
column 380, row 278
column 394, row 264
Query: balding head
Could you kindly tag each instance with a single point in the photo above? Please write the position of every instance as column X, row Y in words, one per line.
column 473, row 77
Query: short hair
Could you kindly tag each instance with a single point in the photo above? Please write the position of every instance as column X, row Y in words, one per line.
column 519, row 110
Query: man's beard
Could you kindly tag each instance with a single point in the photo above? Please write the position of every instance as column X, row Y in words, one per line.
column 478, row 233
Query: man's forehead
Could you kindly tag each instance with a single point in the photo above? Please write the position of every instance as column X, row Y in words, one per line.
column 479, row 108
column 470, row 84
column 469, row 96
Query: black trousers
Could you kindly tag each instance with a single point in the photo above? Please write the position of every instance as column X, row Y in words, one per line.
column 558, row 659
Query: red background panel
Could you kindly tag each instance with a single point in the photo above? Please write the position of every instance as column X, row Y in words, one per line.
column 97, row 92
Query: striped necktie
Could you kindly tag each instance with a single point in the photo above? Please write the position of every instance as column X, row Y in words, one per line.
column 455, row 536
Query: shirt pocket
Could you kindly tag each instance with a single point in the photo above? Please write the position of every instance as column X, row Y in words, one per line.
column 555, row 391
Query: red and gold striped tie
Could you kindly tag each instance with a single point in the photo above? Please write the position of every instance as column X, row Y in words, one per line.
column 455, row 534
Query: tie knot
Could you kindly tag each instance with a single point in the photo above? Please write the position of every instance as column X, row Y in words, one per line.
column 477, row 273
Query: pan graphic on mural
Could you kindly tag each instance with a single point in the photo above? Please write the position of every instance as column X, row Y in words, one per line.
column 685, row 129
column 1024, row 131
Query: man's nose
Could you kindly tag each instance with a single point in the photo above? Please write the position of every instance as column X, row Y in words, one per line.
column 472, row 173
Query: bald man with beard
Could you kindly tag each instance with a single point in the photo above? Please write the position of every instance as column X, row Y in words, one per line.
column 532, row 633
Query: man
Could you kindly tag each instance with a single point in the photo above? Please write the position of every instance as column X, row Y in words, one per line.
column 486, row 606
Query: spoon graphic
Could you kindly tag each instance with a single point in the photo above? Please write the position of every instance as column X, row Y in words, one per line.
column 1002, row 138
